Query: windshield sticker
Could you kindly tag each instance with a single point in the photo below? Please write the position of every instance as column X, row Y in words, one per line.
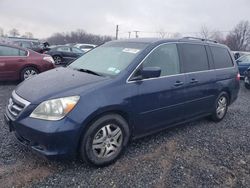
column 113, row 69
column 117, row 71
column 131, row 50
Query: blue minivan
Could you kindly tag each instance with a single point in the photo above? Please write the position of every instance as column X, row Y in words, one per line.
column 122, row 90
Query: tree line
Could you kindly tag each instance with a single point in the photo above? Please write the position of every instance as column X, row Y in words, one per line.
column 78, row 36
column 15, row 33
column 238, row 39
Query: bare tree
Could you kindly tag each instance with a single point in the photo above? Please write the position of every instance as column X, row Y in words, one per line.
column 205, row 32
column 239, row 38
column 28, row 35
column 217, row 36
column 78, row 36
column 1, row 32
column 14, row 32
column 176, row 35
column 162, row 33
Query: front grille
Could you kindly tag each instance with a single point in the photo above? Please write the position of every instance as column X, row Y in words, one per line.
column 16, row 105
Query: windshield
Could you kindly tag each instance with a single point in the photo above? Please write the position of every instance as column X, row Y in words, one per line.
column 245, row 58
column 109, row 59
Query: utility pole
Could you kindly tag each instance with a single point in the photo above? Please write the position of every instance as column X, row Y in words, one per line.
column 117, row 31
column 129, row 34
column 136, row 34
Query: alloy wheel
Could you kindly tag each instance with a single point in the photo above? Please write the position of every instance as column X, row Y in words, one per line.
column 29, row 73
column 57, row 60
column 107, row 141
column 221, row 107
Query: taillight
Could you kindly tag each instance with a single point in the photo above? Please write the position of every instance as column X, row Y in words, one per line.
column 238, row 77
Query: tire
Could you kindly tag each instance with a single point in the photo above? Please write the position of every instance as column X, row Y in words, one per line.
column 28, row 72
column 105, row 140
column 58, row 59
column 220, row 107
column 247, row 82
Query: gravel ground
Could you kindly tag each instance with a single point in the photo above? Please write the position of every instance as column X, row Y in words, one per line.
column 198, row 154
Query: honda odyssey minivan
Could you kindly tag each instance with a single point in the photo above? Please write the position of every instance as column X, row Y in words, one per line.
column 119, row 91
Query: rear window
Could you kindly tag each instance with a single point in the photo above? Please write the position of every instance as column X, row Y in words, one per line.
column 194, row 57
column 222, row 58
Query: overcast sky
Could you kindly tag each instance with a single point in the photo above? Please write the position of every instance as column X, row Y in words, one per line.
column 45, row 17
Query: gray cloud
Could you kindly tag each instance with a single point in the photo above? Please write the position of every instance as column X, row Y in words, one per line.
column 45, row 17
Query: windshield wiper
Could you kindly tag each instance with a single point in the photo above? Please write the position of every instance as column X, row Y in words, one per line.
column 89, row 72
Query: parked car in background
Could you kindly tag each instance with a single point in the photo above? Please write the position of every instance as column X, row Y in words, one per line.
column 247, row 78
column 85, row 47
column 17, row 63
column 238, row 54
column 243, row 64
column 122, row 90
column 70, row 44
column 64, row 54
column 33, row 44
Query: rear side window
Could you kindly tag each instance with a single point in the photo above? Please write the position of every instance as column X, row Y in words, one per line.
column 63, row 49
column 165, row 57
column 10, row 51
column 23, row 53
column 222, row 58
column 26, row 45
column 194, row 57
column 76, row 50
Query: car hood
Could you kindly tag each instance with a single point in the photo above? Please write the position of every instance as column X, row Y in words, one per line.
column 55, row 83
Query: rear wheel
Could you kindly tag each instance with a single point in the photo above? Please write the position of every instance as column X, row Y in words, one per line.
column 28, row 72
column 247, row 82
column 105, row 140
column 221, row 106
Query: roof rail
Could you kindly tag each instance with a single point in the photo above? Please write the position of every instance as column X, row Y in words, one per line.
column 202, row 39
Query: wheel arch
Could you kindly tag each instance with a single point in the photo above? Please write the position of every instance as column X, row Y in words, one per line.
column 227, row 91
column 98, row 114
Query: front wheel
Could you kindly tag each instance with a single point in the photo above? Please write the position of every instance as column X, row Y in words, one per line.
column 105, row 140
column 220, row 108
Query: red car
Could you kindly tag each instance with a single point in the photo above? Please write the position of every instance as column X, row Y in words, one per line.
column 17, row 63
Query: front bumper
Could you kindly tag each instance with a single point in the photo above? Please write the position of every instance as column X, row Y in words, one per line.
column 52, row 139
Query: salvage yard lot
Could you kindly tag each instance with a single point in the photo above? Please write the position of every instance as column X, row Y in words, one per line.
column 197, row 154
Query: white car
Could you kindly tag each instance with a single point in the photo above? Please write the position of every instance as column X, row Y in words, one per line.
column 85, row 47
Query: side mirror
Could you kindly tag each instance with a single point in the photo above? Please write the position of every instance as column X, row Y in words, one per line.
column 147, row 72
column 151, row 72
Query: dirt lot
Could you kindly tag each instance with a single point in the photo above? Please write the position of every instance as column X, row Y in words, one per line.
column 198, row 154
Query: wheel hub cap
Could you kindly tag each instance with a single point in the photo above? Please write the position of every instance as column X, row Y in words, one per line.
column 29, row 73
column 107, row 141
column 221, row 107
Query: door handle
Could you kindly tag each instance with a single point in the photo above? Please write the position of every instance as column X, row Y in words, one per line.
column 178, row 83
column 193, row 81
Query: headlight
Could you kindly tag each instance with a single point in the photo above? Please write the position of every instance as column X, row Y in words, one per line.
column 49, row 59
column 55, row 109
